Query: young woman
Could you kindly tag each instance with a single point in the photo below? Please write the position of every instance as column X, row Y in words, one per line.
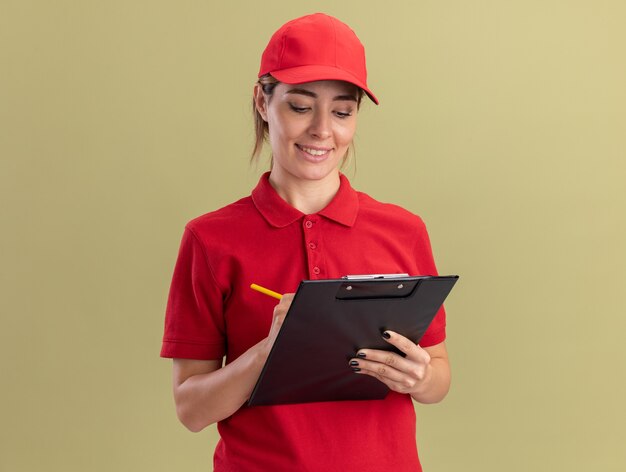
column 302, row 221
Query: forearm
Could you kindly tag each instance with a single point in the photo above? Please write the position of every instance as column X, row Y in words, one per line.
column 436, row 384
column 206, row 398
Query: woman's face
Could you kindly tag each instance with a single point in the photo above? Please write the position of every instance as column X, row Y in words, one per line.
column 311, row 126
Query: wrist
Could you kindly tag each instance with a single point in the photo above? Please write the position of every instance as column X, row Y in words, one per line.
column 261, row 351
column 423, row 385
column 435, row 385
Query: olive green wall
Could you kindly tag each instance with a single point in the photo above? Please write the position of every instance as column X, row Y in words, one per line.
column 502, row 123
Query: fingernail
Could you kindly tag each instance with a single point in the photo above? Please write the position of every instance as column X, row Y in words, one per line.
column 361, row 355
column 354, row 362
column 386, row 335
column 356, row 369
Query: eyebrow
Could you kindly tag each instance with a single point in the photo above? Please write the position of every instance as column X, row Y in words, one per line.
column 308, row 93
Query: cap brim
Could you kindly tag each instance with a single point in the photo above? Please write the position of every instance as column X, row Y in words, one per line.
column 302, row 74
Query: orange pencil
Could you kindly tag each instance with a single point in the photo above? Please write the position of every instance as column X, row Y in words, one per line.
column 266, row 291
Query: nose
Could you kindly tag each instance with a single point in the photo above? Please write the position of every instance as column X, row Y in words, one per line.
column 320, row 127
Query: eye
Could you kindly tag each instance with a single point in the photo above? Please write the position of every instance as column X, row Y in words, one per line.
column 298, row 109
column 343, row 114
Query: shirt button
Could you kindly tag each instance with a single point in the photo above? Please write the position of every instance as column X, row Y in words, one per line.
column 312, row 246
column 316, row 270
column 308, row 223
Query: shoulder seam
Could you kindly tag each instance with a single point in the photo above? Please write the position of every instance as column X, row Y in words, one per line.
column 206, row 258
column 420, row 237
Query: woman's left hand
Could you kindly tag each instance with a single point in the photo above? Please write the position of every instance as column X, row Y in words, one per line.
column 422, row 373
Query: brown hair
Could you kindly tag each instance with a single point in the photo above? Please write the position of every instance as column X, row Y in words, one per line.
column 261, row 130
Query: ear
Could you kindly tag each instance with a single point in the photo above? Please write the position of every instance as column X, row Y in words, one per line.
column 260, row 101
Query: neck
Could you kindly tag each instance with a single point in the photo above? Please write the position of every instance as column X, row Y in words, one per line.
column 307, row 196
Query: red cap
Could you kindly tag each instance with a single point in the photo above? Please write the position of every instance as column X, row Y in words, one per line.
column 316, row 47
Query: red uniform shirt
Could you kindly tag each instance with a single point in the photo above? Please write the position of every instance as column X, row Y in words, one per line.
column 212, row 313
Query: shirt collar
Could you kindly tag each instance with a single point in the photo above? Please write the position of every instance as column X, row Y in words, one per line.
column 343, row 208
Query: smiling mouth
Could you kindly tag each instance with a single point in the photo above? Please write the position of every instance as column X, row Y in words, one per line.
column 314, row 152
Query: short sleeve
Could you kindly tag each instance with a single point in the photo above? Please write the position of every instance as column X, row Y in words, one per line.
column 194, row 322
column 436, row 332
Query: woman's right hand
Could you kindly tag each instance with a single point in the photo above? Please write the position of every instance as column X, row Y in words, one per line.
column 205, row 392
column 280, row 311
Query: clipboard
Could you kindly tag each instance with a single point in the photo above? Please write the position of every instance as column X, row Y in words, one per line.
column 329, row 320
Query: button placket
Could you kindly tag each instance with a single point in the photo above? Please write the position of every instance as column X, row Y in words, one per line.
column 311, row 238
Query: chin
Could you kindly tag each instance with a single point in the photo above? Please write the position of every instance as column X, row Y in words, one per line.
column 319, row 173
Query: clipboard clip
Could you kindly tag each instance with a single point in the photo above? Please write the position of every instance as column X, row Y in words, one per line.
column 373, row 276
column 376, row 286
